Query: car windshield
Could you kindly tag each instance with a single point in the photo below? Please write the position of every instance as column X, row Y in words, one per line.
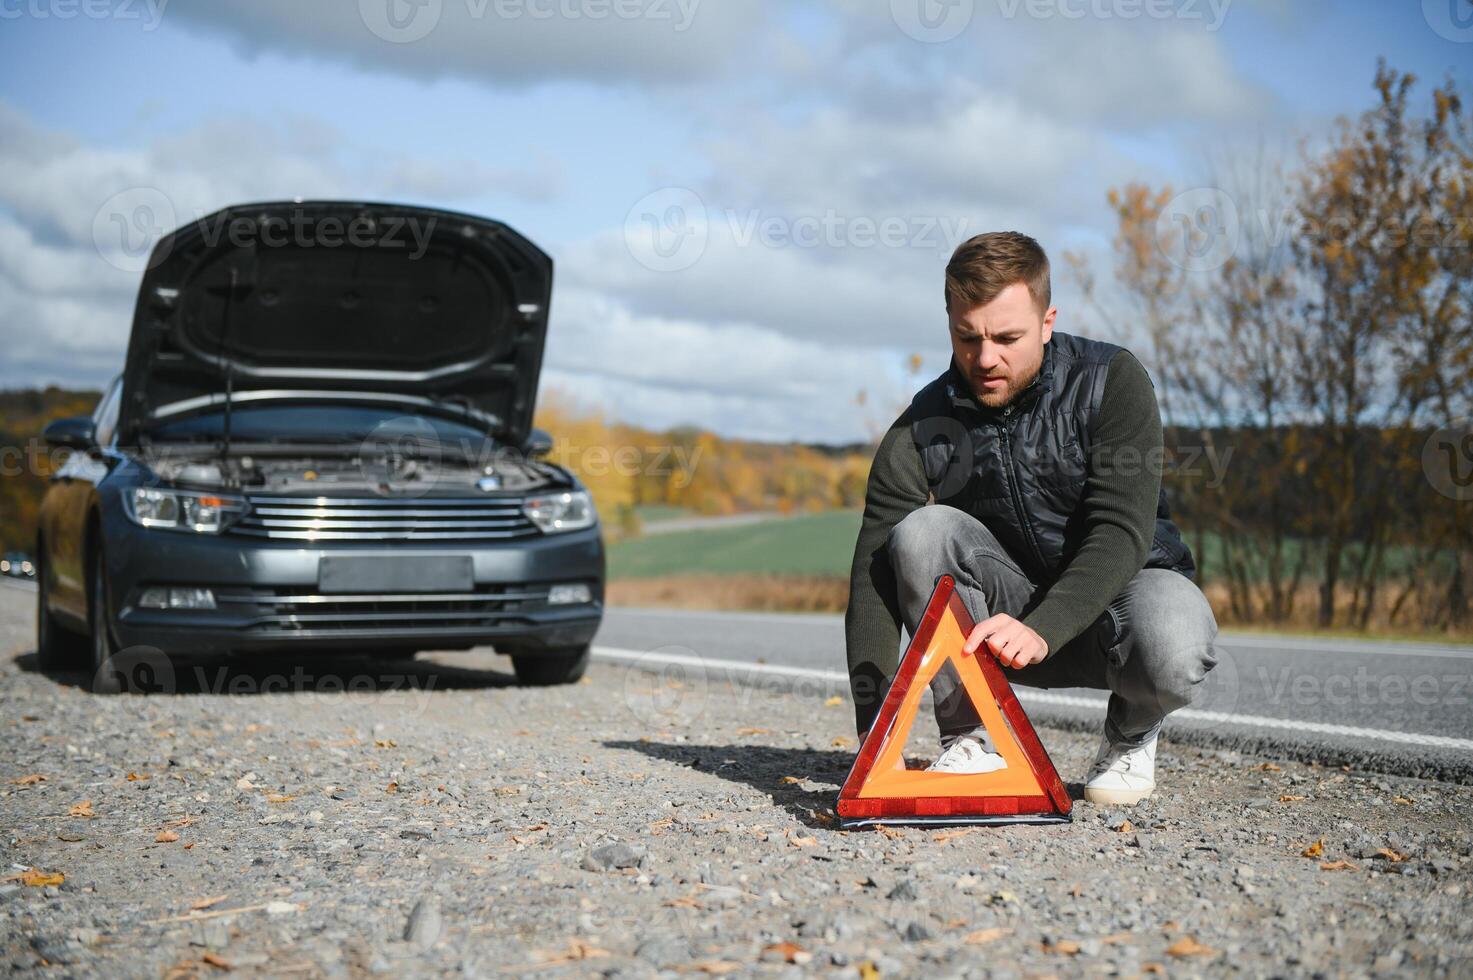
column 321, row 424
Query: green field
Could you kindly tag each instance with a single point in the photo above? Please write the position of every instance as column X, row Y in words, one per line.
column 812, row 544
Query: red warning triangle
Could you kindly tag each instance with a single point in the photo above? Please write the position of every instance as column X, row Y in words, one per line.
column 879, row 789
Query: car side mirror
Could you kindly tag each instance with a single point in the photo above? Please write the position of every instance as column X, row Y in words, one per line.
column 75, row 432
column 538, row 444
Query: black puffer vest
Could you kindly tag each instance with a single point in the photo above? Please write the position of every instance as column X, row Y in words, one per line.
column 1020, row 470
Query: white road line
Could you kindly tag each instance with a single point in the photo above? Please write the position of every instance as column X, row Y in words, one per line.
column 840, row 679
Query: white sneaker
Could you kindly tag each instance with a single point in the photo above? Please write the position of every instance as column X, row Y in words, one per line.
column 967, row 755
column 1122, row 775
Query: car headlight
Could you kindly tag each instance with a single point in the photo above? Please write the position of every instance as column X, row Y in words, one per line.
column 554, row 512
column 178, row 510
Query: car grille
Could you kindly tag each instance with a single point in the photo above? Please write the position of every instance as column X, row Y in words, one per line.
column 300, row 613
column 385, row 519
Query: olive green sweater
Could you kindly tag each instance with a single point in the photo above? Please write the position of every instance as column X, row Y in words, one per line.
column 1120, row 519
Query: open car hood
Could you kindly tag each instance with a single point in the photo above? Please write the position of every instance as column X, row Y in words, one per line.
column 335, row 299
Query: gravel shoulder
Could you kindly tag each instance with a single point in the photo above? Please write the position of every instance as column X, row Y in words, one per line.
column 353, row 818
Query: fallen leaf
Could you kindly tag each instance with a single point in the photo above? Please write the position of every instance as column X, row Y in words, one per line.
column 825, row 817
column 685, row 902
column 1290, row 798
column 1067, row 947
column 803, row 841
column 279, row 798
column 842, row 742
column 1077, row 890
column 834, row 701
column 891, row 832
column 30, row 780
column 83, row 810
column 1391, row 855
column 868, row 970
column 1187, row 946
column 1119, row 937
column 392, row 788
column 205, row 903
column 135, row 777
column 385, row 743
column 1153, row 968
column 1268, row 767
column 790, row 952
column 941, row 837
column 981, row 937
column 1404, row 801
column 1314, row 850
column 1338, row 866
column 36, row 878
column 218, row 962
column 180, row 822
column 1125, row 827
column 166, row 837
column 754, row 731
column 717, row 968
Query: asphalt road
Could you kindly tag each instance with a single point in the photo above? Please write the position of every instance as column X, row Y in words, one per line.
column 1396, row 707
column 1403, row 708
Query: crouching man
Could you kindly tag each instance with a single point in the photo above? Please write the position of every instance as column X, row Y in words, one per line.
column 1030, row 471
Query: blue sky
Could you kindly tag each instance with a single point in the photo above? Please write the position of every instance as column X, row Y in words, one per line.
column 1010, row 114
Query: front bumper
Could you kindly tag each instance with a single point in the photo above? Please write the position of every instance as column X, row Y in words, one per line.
column 268, row 595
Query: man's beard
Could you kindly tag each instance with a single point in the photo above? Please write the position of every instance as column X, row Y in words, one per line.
column 1004, row 397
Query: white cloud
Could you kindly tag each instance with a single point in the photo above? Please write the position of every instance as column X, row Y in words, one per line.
column 654, row 42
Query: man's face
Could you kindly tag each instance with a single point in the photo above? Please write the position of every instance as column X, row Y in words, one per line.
column 999, row 345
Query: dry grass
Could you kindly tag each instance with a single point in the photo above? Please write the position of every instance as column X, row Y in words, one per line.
column 769, row 593
column 830, row 593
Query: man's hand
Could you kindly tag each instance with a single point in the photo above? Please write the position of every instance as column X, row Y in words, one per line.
column 1014, row 644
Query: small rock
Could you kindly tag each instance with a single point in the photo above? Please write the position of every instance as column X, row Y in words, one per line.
column 903, row 892
column 915, row 932
column 416, row 833
column 611, row 857
column 423, row 928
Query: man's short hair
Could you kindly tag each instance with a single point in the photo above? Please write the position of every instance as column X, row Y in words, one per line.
column 985, row 265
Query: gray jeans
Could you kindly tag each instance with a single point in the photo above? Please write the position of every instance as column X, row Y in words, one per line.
column 1150, row 650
